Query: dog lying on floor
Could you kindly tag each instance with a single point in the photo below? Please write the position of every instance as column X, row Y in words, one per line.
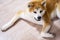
column 39, row 10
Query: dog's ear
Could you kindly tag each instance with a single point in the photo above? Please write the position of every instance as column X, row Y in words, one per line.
column 30, row 5
column 43, row 3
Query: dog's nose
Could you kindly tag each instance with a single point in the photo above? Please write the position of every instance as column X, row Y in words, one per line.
column 39, row 18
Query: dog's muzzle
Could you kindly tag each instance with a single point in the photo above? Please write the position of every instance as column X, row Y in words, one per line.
column 38, row 18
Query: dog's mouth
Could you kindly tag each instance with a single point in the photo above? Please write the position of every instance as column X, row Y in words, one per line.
column 37, row 19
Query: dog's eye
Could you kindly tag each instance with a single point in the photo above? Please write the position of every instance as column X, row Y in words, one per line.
column 41, row 11
column 29, row 5
column 35, row 12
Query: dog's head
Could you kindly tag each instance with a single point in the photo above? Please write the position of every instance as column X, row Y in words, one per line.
column 37, row 9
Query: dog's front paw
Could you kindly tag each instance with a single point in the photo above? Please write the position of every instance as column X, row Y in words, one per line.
column 47, row 35
column 3, row 28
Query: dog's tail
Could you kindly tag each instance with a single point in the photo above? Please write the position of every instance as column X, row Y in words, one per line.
column 10, row 23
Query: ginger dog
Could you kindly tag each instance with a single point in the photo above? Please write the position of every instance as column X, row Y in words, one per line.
column 39, row 10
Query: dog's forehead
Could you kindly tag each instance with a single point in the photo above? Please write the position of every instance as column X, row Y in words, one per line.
column 36, row 4
column 36, row 1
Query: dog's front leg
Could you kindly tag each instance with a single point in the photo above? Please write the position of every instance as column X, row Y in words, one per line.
column 45, row 29
column 10, row 23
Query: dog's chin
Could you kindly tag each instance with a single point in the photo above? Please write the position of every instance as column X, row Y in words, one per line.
column 37, row 19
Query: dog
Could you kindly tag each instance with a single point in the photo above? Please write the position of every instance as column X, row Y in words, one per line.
column 39, row 10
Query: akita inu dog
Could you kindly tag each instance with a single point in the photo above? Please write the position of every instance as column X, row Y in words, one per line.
column 39, row 10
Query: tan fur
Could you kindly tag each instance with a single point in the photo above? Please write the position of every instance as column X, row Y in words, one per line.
column 36, row 4
column 19, row 12
column 50, row 6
